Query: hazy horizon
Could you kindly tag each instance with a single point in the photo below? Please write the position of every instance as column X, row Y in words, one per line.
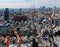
column 28, row 3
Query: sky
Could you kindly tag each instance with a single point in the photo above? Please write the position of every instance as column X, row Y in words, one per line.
column 28, row 3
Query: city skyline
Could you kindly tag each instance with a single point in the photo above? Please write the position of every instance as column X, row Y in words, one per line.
column 28, row 3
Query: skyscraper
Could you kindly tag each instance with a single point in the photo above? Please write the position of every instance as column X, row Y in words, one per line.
column 20, row 11
column 6, row 14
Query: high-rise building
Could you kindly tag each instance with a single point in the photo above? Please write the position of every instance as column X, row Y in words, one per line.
column 6, row 14
column 20, row 11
